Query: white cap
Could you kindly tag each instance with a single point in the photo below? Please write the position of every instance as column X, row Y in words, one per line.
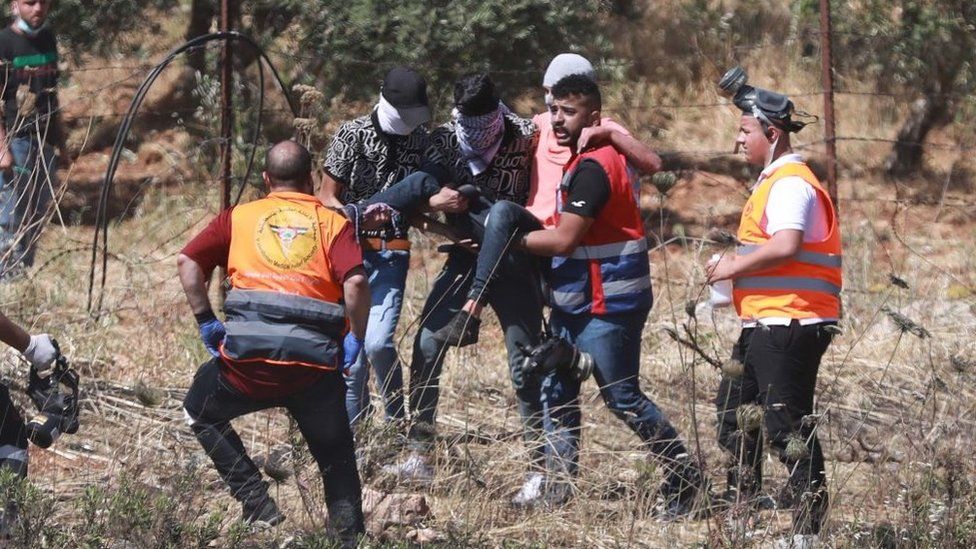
column 566, row 64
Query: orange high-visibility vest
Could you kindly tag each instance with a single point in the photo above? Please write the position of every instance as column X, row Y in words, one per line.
column 806, row 286
column 280, row 243
column 284, row 307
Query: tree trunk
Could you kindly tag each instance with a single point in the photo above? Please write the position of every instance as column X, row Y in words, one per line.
column 202, row 14
column 906, row 155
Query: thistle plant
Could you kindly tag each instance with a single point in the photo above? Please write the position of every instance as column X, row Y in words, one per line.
column 147, row 395
column 310, row 122
column 664, row 181
column 733, row 368
column 749, row 417
column 796, row 448
column 906, row 324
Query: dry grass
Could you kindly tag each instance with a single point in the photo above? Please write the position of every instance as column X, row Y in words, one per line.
column 897, row 410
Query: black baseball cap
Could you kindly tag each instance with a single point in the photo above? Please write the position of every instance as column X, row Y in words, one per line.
column 404, row 88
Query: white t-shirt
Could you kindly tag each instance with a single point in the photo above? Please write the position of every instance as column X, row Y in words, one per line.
column 793, row 204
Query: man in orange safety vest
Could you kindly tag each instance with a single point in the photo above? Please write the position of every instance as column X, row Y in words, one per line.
column 786, row 277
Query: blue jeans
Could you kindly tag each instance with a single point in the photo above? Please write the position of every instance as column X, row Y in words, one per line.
column 408, row 195
column 387, row 271
column 614, row 343
column 25, row 194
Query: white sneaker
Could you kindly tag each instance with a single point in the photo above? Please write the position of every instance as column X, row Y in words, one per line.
column 799, row 541
column 414, row 468
column 531, row 491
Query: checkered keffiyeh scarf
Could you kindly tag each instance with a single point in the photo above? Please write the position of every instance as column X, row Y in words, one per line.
column 480, row 136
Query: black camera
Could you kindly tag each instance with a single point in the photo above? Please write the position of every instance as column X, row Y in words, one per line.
column 555, row 353
column 769, row 107
column 58, row 408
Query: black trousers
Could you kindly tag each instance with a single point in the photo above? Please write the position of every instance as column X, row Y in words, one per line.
column 781, row 365
column 13, row 435
column 320, row 411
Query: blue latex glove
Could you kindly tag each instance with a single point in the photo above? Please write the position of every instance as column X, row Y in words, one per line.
column 351, row 347
column 212, row 333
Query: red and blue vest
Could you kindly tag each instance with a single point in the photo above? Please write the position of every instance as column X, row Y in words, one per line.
column 609, row 273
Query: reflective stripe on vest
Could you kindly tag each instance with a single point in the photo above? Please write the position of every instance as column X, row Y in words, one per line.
column 10, row 452
column 813, row 258
column 786, row 283
column 614, row 249
column 282, row 329
column 610, row 289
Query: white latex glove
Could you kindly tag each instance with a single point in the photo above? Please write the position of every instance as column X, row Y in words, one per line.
column 41, row 352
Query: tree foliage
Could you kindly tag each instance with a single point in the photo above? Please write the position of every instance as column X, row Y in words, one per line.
column 923, row 48
column 95, row 26
column 349, row 44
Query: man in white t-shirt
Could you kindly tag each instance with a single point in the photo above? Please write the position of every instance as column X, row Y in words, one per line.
column 786, row 288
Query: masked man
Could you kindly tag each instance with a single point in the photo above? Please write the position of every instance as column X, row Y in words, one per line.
column 487, row 149
column 367, row 155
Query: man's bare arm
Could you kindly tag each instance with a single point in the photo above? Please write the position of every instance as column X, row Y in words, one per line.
column 194, row 282
column 355, row 290
column 12, row 334
column 637, row 153
column 561, row 241
column 329, row 191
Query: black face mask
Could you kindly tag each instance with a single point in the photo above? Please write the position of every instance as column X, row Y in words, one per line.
column 771, row 108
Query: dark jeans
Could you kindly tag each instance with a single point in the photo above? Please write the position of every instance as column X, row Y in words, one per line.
column 320, row 412
column 781, row 364
column 505, row 222
column 614, row 343
column 409, row 194
column 520, row 313
column 13, row 436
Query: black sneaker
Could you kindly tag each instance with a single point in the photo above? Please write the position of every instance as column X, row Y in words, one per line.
column 262, row 513
column 685, row 494
column 461, row 331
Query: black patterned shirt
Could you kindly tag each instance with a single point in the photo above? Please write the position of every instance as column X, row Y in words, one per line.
column 366, row 161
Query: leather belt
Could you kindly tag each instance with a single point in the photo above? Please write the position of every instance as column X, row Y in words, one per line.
column 378, row 244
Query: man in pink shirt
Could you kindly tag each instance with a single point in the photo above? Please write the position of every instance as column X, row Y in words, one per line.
column 550, row 156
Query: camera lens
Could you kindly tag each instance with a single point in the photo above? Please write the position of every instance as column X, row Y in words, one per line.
column 44, row 429
column 582, row 366
column 732, row 81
